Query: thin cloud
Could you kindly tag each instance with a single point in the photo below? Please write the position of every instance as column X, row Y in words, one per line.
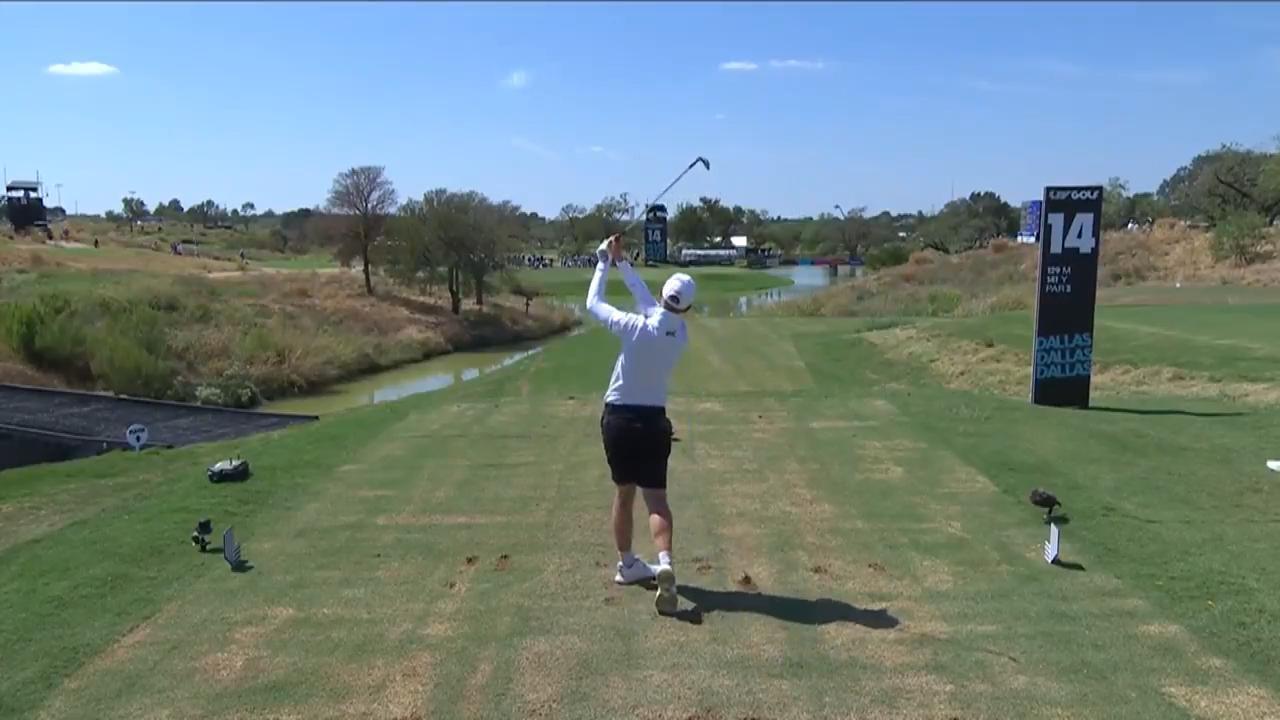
column 533, row 147
column 517, row 79
column 738, row 66
column 83, row 69
column 601, row 150
column 720, row 116
column 792, row 64
column 1170, row 77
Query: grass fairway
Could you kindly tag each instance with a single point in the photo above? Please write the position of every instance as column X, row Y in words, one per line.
column 856, row 537
column 713, row 282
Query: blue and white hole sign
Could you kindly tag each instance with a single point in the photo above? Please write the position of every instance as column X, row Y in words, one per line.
column 136, row 435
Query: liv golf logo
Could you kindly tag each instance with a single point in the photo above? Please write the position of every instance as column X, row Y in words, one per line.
column 1066, row 293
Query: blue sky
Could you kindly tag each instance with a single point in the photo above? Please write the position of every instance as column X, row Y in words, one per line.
column 798, row 106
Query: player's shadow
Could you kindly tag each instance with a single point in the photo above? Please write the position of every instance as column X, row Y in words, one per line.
column 822, row 611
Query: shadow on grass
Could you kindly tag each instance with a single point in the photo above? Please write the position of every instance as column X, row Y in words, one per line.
column 822, row 611
column 1060, row 519
column 1069, row 565
column 1185, row 413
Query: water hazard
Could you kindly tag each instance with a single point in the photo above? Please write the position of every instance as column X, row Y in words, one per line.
column 447, row 370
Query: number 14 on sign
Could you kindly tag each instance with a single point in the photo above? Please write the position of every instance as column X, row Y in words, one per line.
column 1079, row 235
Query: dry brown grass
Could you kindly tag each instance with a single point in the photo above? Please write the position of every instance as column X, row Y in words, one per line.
column 1001, row 277
column 282, row 334
column 999, row 370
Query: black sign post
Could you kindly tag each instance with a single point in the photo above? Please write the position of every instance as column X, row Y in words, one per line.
column 1066, row 294
column 655, row 234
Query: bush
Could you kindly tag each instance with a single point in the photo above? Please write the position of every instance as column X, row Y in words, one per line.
column 119, row 362
column 1239, row 238
column 889, row 255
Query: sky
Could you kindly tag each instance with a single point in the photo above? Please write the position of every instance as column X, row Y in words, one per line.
column 799, row 107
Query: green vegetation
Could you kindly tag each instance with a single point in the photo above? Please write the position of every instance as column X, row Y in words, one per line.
column 853, row 526
column 713, row 282
column 237, row 340
column 1240, row 237
column 1001, row 277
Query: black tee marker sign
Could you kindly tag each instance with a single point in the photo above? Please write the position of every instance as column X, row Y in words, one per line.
column 655, row 234
column 1066, row 294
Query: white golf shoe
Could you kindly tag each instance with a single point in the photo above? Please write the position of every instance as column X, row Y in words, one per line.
column 639, row 571
column 666, row 601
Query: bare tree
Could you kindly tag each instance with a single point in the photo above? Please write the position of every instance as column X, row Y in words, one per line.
column 365, row 196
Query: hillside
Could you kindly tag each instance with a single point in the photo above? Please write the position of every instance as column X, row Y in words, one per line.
column 1001, row 277
column 126, row 319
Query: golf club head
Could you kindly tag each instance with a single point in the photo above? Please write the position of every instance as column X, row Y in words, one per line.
column 705, row 162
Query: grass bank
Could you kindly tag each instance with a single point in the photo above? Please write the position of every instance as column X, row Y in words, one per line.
column 853, row 539
column 1001, row 277
column 214, row 245
column 233, row 341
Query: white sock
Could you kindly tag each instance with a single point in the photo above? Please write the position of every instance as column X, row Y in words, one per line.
column 664, row 558
column 628, row 559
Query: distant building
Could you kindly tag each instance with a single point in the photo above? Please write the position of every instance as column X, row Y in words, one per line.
column 739, row 243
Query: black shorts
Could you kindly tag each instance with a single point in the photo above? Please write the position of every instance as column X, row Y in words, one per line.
column 637, row 444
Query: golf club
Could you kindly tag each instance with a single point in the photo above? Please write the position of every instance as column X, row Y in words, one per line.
column 704, row 162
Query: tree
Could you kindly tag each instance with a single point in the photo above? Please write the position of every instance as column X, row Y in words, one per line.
column 364, row 196
column 413, row 255
column 205, row 212
column 1117, row 205
column 171, row 210
column 246, row 213
column 1219, row 183
column 968, row 223
column 721, row 220
column 753, row 226
column 1239, row 237
column 134, row 207
column 570, row 229
column 783, row 236
column 292, row 232
column 611, row 215
column 1147, row 206
column 448, row 221
column 496, row 230
column 689, row 226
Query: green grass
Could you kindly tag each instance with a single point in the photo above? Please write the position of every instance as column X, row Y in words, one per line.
column 713, row 282
column 234, row 341
column 1232, row 342
column 314, row 261
column 882, row 517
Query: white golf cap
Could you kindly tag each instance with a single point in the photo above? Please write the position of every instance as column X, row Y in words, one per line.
column 679, row 290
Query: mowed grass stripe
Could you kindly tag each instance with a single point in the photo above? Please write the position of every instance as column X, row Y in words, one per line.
column 1033, row 612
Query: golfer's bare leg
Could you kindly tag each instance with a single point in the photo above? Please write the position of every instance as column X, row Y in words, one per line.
column 660, row 524
column 624, row 499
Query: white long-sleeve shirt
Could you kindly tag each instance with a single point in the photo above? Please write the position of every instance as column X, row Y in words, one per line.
column 652, row 340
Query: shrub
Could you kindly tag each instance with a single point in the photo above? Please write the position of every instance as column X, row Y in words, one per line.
column 1239, row 238
column 888, row 255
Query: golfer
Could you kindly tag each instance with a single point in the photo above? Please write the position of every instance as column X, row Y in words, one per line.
column 634, row 424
